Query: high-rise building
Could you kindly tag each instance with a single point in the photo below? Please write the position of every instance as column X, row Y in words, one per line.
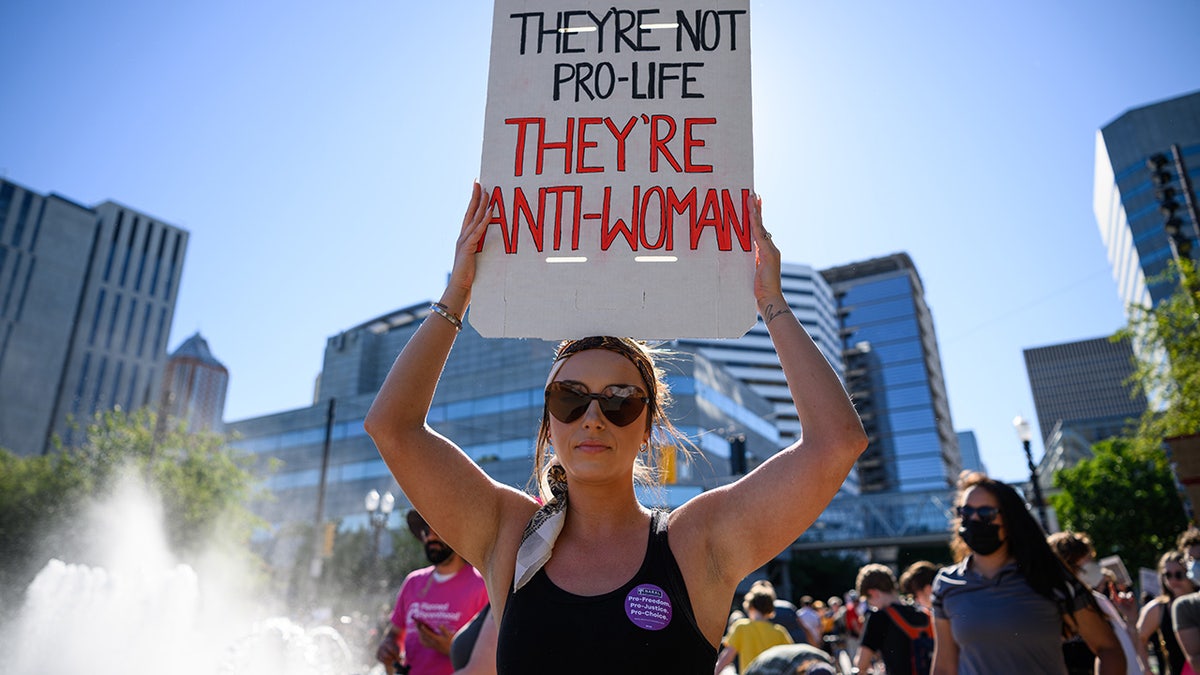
column 489, row 401
column 194, row 386
column 894, row 375
column 968, row 447
column 1138, row 186
column 752, row 358
column 86, row 300
column 1081, row 387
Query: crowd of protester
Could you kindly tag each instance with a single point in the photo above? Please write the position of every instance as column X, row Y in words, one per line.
column 1014, row 600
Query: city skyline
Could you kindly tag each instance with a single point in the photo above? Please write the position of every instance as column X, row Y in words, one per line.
column 321, row 156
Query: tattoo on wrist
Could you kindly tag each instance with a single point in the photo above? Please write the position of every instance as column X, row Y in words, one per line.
column 770, row 312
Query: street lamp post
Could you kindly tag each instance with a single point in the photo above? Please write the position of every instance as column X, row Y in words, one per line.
column 379, row 509
column 1025, row 433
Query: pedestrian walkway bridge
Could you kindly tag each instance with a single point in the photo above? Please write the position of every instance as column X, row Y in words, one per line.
column 883, row 519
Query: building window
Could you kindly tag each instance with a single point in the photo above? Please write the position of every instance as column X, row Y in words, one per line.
column 145, row 330
column 112, row 245
column 162, row 242
column 83, row 377
column 96, row 318
column 112, row 324
column 129, row 251
column 116, row 382
column 19, row 231
column 6, row 195
column 128, row 329
column 12, row 276
column 137, row 284
column 25, row 288
column 160, row 335
column 133, row 376
column 174, row 264
column 99, row 384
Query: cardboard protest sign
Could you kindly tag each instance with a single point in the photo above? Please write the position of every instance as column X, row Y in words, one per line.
column 618, row 158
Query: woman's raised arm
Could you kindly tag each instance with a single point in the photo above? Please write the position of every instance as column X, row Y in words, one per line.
column 796, row 484
column 459, row 501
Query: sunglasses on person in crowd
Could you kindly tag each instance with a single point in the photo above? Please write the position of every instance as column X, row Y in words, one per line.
column 1177, row 576
column 986, row 513
column 620, row 403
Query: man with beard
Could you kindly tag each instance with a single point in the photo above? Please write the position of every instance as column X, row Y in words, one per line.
column 434, row 602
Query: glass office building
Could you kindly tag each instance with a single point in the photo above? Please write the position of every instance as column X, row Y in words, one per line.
column 894, row 374
column 489, row 401
column 1083, row 387
column 1128, row 202
column 752, row 358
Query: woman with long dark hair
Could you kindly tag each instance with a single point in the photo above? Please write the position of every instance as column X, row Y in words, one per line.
column 1154, row 625
column 1005, row 606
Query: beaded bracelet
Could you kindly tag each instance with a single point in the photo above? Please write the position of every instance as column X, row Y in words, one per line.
column 444, row 312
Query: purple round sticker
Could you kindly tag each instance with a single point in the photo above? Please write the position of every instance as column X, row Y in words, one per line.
column 648, row 606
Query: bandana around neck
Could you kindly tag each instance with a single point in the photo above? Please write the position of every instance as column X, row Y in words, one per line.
column 543, row 529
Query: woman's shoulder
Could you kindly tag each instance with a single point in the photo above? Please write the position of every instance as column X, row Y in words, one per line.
column 951, row 575
column 1157, row 603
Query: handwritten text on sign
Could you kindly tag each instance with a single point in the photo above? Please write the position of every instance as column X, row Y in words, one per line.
column 616, row 137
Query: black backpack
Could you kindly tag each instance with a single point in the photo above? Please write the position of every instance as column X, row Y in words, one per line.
column 921, row 638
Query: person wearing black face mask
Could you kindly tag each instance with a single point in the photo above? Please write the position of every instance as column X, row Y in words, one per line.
column 1004, row 607
column 433, row 604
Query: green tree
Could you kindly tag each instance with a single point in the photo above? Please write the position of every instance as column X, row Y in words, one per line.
column 38, row 499
column 1125, row 499
column 1167, row 370
column 204, row 485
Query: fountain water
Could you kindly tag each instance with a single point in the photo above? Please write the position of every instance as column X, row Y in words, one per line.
column 142, row 612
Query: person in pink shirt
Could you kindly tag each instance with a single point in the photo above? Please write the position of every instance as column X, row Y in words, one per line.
column 433, row 603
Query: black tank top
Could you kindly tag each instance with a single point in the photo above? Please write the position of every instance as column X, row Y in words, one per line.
column 645, row 626
column 1166, row 640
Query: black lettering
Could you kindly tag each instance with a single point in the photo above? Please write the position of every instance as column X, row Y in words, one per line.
column 600, row 28
column 641, row 21
column 567, row 33
column 687, row 78
column 524, row 17
column 704, row 30
column 624, row 28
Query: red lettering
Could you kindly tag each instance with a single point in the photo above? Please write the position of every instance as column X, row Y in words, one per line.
column 740, row 229
column 565, row 146
column 580, row 167
column 519, row 155
column 496, row 206
column 620, row 136
column 521, row 206
column 659, row 145
column 710, row 216
column 689, row 142
column 559, row 193
column 664, row 220
column 619, row 227
column 687, row 204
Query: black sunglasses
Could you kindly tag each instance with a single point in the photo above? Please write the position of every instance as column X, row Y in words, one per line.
column 986, row 513
column 620, row 403
column 1177, row 576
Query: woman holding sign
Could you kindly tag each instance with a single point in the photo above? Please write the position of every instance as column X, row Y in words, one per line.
column 589, row 581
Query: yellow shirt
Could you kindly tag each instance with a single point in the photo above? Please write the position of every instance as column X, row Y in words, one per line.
column 751, row 637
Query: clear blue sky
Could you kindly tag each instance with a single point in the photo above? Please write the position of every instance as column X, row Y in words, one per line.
column 321, row 154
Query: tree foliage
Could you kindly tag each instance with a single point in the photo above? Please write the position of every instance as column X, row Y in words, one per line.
column 1167, row 370
column 1125, row 499
column 204, row 485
